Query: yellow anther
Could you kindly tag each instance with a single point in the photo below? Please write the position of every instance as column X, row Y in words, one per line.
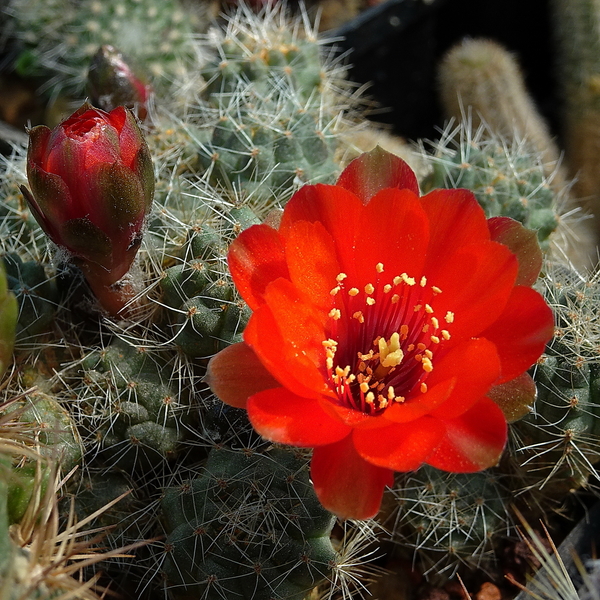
column 339, row 371
column 364, row 387
column 429, row 354
column 435, row 289
column 390, row 353
column 340, row 277
column 335, row 290
column 329, row 363
column 382, row 402
column 399, row 399
column 435, row 339
column 379, row 267
column 435, row 322
column 329, row 343
column 403, row 331
column 418, row 307
column 370, row 398
column 423, row 281
column 391, row 393
column 369, row 289
column 351, row 377
column 370, row 301
column 425, row 328
column 395, row 299
column 387, row 288
column 423, row 388
column 397, row 280
column 445, row 334
column 427, row 365
column 428, row 309
column 408, row 280
column 352, row 291
column 358, row 316
column 449, row 317
column 335, row 314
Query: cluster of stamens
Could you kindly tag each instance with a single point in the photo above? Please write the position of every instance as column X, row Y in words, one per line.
column 382, row 370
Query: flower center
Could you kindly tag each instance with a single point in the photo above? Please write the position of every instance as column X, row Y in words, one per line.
column 382, row 340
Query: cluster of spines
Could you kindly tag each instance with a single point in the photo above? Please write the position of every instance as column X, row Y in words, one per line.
column 450, row 519
column 59, row 38
column 558, row 443
column 248, row 524
column 508, row 178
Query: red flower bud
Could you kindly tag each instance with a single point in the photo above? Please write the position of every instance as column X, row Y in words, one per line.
column 92, row 184
column 112, row 82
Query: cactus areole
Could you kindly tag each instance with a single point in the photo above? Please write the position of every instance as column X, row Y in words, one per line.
column 92, row 185
column 388, row 330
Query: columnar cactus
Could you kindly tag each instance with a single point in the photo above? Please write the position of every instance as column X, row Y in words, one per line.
column 482, row 82
column 575, row 25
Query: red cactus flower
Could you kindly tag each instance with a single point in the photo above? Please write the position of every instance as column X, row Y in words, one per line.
column 388, row 330
column 92, row 184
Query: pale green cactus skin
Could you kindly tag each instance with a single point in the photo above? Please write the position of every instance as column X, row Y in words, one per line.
column 57, row 442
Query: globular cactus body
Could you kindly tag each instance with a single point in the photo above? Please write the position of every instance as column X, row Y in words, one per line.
column 54, row 438
column 450, row 519
column 248, row 525
column 139, row 415
column 508, row 179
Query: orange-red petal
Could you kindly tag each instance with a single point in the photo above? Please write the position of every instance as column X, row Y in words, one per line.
column 476, row 366
column 373, row 171
column 476, row 285
column 521, row 332
column 455, row 220
column 311, row 260
column 256, row 257
column 287, row 364
column 345, row 483
column 236, row 373
column 401, row 447
column 281, row 416
column 421, row 404
column 301, row 324
column 337, row 209
column 472, row 442
column 394, row 231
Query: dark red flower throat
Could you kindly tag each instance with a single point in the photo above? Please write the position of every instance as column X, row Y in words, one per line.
column 382, row 339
